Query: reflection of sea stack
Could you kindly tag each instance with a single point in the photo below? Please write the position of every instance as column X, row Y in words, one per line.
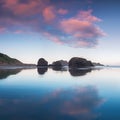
column 78, row 72
column 42, row 62
column 58, row 65
column 57, row 68
column 42, row 70
column 77, row 62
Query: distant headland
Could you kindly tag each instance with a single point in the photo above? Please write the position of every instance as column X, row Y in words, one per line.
column 5, row 60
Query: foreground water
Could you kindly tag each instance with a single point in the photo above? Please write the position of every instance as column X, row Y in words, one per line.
column 60, row 95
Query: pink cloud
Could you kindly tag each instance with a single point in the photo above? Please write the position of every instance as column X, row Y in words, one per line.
column 2, row 29
column 83, row 23
column 30, row 8
column 79, row 30
column 18, row 32
column 82, row 44
column 10, row 2
column 72, row 25
column 87, row 16
column 82, row 29
column 62, row 11
column 49, row 14
column 56, row 40
column 53, row 38
column 22, row 9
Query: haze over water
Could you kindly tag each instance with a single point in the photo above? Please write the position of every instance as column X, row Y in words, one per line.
column 60, row 95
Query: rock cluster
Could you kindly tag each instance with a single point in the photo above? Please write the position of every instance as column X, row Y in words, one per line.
column 77, row 62
column 74, row 62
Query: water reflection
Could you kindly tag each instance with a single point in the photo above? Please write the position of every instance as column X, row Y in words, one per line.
column 72, row 104
column 42, row 70
column 79, row 72
column 78, row 103
column 4, row 73
column 73, row 72
column 59, row 68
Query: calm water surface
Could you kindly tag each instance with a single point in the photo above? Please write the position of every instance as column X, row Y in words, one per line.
column 50, row 94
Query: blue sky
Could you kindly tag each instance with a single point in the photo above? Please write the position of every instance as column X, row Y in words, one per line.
column 60, row 29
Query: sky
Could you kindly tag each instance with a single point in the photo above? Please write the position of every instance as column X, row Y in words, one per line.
column 60, row 29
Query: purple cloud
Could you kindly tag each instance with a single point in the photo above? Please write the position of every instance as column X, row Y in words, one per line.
column 54, row 22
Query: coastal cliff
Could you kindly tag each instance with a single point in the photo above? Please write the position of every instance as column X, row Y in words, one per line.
column 6, row 60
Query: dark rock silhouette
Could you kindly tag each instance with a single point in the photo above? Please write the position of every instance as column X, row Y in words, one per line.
column 77, row 62
column 79, row 72
column 42, row 62
column 58, row 68
column 60, row 63
column 42, row 70
column 97, row 64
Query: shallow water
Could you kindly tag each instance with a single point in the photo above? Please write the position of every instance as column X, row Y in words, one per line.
column 51, row 94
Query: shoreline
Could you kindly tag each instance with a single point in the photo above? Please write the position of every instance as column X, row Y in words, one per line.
column 24, row 66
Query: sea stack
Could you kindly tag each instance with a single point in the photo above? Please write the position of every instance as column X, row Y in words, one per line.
column 42, row 62
column 60, row 63
column 77, row 62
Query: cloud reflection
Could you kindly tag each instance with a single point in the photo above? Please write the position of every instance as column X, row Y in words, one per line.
column 78, row 103
column 71, row 104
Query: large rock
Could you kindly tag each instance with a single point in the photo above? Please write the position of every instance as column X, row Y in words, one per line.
column 77, row 62
column 60, row 63
column 42, row 62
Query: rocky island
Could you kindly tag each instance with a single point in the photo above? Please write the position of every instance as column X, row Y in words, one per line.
column 74, row 63
column 59, row 65
column 77, row 62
